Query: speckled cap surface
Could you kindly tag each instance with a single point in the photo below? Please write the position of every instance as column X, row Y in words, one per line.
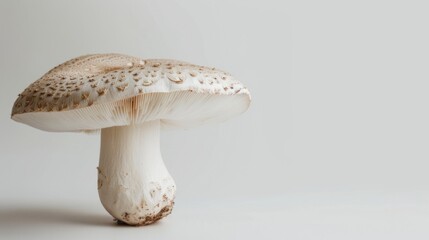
column 104, row 90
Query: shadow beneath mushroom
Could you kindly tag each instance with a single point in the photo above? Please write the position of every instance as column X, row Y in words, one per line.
column 43, row 215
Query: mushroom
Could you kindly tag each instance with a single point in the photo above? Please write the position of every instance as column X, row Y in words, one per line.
column 130, row 100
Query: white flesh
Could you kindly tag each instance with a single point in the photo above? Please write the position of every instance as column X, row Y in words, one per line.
column 133, row 184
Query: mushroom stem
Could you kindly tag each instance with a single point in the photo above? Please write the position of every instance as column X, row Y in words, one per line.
column 133, row 183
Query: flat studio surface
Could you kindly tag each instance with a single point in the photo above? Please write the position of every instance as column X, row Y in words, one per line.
column 297, row 216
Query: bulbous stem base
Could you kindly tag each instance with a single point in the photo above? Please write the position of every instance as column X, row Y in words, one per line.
column 133, row 183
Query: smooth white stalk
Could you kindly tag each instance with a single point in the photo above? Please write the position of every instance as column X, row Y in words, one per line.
column 133, row 184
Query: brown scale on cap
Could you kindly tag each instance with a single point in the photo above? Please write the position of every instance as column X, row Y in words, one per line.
column 84, row 95
column 174, row 78
column 83, row 75
column 122, row 87
column 102, row 91
column 137, row 78
column 147, row 82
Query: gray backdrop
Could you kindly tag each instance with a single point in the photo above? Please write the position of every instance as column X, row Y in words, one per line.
column 334, row 145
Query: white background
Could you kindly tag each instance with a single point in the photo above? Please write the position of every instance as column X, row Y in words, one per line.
column 334, row 145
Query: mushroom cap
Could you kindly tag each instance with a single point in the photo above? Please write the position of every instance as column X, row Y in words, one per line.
column 104, row 90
